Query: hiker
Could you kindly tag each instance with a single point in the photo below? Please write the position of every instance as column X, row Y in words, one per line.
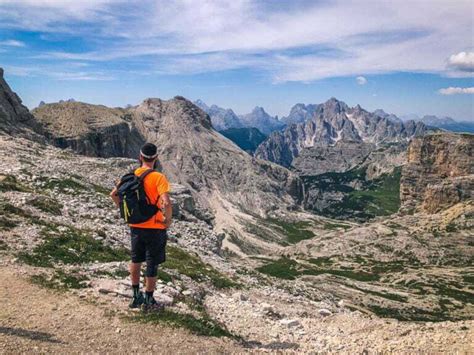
column 143, row 198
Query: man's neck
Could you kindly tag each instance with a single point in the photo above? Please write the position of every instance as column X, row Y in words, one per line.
column 147, row 165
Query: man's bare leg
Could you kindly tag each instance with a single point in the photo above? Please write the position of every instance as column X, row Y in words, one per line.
column 150, row 284
column 135, row 273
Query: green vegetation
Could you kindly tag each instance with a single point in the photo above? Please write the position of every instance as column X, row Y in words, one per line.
column 294, row 231
column 11, row 183
column 70, row 246
column 193, row 267
column 205, row 325
column 47, row 204
column 67, row 185
column 285, row 268
column 378, row 197
column 10, row 216
column 60, row 281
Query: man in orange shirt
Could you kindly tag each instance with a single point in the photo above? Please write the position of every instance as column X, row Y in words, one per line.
column 148, row 239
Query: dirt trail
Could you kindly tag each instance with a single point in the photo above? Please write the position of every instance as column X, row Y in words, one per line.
column 40, row 320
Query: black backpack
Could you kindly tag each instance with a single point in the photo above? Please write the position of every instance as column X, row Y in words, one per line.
column 135, row 206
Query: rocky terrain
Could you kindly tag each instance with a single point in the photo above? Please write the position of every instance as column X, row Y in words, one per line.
column 261, row 120
column 93, row 130
column 439, row 172
column 14, row 116
column 332, row 122
column 246, row 264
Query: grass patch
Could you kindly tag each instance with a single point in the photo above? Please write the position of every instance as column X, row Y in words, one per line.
column 294, row 231
column 8, row 212
column 193, row 267
column 47, row 205
column 205, row 325
column 283, row 268
column 286, row 268
column 60, row 281
column 71, row 246
column 67, row 185
column 11, row 183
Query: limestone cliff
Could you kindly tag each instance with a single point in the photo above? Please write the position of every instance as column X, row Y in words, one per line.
column 439, row 172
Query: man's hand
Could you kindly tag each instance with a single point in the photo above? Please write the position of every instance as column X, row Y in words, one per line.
column 114, row 196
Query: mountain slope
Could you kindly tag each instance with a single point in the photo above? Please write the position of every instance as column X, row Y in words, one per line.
column 93, row 130
column 195, row 155
column 246, row 138
column 14, row 116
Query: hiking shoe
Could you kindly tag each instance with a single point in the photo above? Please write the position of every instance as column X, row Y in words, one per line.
column 150, row 304
column 137, row 301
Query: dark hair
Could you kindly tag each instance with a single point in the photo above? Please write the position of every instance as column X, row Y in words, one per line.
column 148, row 152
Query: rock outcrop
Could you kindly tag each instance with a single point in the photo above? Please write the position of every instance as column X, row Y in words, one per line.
column 14, row 116
column 92, row 130
column 439, row 172
column 246, row 138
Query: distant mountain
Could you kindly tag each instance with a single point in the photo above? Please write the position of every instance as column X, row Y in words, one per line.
column 390, row 116
column 446, row 123
column 247, row 138
column 300, row 113
column 260, row 119
column 221, row 118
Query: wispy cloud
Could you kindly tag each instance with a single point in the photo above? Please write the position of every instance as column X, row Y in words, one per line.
column 300, row 41
column 12, row 43
column 361, row 80
column 456, row 90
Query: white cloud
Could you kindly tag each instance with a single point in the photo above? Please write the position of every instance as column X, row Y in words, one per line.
column 12, row 43
column 463, row 61
column 456, row 90
column 361, row 80
column 289, row 43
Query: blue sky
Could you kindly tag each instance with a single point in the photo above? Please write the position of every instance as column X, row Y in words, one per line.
column 239, row 54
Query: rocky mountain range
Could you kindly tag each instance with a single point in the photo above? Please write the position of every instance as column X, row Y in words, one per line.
column 448, row 124
column 223, row 119
column 334, row 122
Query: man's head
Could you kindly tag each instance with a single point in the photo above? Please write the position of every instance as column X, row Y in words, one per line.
column 148, row 153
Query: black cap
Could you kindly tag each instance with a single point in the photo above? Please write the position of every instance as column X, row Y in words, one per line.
column 149, row 150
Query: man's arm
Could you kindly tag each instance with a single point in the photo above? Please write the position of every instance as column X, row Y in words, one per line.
column 114, row 196
column 165, row 203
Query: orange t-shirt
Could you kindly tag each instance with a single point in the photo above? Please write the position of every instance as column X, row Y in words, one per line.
column 155, row 185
